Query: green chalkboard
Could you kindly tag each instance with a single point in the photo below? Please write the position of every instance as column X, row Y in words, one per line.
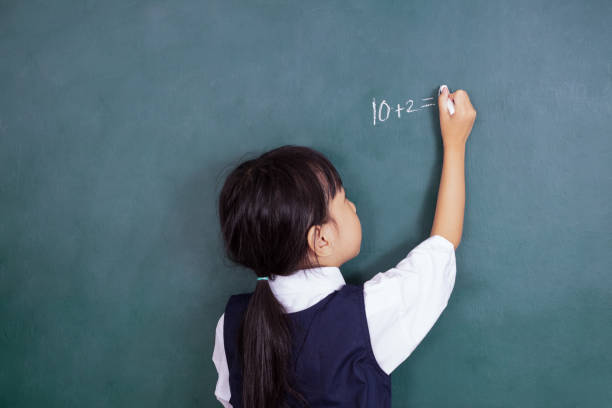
column 119, row 120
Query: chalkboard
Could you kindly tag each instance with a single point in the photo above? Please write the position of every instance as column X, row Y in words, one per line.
column 120, row 119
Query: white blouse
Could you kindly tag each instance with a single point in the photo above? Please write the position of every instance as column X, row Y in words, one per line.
column 401, row 304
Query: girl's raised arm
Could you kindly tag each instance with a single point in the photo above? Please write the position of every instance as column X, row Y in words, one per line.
column 455, row 128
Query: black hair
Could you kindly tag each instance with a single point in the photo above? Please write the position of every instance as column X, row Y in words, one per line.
column 266, row 207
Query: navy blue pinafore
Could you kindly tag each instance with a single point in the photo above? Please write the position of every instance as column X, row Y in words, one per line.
column 333, row 358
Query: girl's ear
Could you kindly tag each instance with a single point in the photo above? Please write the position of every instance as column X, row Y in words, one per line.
column 319, row 240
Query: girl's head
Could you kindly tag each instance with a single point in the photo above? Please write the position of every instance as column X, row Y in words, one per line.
column 286, row 210
column 282, row 211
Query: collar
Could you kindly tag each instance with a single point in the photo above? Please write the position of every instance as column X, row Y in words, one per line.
column 305, row 287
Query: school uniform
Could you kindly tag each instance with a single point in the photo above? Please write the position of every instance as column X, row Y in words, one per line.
column 347, row 339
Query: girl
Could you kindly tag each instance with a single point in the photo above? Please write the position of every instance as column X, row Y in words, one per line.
column 304, row 337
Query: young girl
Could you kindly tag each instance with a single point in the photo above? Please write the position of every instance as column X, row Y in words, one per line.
column 304, row 337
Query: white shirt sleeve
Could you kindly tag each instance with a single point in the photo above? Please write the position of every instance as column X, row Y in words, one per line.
column 222, row 390
column 403, row 303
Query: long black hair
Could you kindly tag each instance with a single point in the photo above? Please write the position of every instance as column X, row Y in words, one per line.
column 266, row 207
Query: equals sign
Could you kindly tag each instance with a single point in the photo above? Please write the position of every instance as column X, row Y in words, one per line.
column 427, row 104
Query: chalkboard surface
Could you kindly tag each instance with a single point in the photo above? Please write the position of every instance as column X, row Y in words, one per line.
column 119, row 119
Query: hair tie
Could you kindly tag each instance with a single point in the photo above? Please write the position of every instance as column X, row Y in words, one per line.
column 262, row 278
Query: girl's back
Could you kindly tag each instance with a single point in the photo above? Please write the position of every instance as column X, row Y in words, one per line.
column 333, row 357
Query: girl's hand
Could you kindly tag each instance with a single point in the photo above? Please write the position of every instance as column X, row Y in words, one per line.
column 457, row 127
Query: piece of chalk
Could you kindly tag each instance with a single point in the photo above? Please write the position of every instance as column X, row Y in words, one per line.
column 451, row 106
column 449, row 103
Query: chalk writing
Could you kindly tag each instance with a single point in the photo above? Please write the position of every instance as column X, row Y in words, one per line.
column 384, row 110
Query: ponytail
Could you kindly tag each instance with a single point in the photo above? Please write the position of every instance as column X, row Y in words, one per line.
column 266, row 207
column 266, row 348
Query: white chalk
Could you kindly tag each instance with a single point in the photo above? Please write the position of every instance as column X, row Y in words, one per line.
column 451, row 106
column 449, row 103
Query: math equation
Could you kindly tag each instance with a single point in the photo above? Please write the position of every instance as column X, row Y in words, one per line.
column 383, row 111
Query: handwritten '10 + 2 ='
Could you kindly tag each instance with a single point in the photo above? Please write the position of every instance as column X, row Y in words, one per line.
column 384, row 110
